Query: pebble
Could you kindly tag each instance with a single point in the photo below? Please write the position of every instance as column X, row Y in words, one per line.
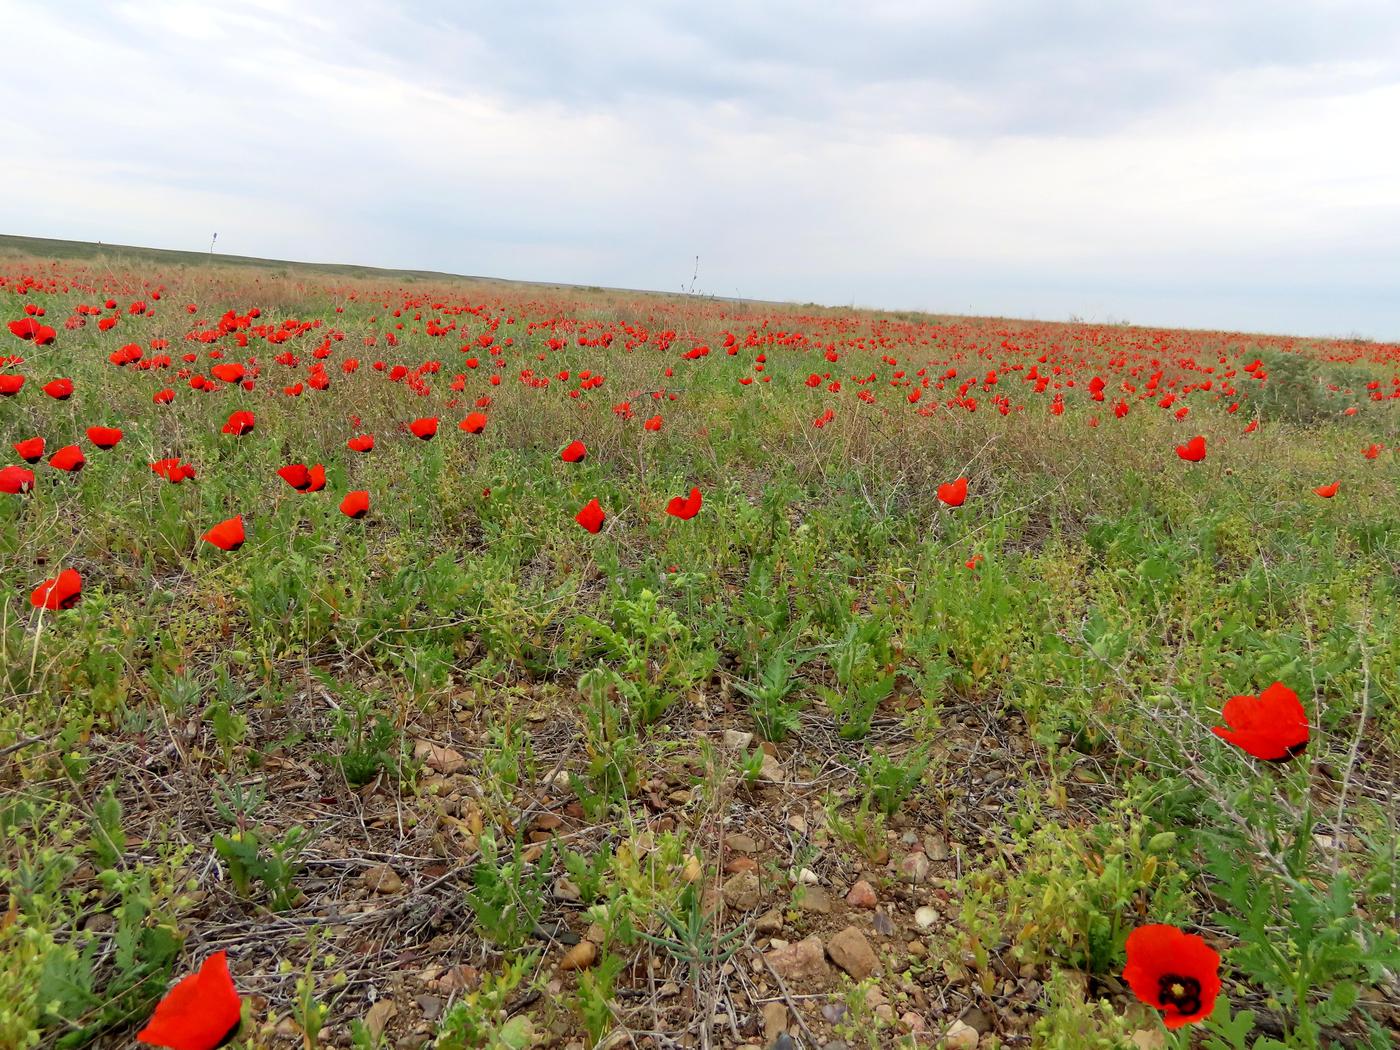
column 736, row 740
column 862, row 895
column 382, row 879
column 914, row 868
column 805, row 960
column 579, row 957
column 742, row 891
column 775, row 1020
column 769, row 922
column 852, row 952
column 961, row 1037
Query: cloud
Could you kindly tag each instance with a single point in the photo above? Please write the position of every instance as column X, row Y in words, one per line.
column 1177, row 163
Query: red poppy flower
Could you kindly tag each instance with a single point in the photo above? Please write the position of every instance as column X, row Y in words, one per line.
column 32, row 331
column 591, row 517
column 228, row 373
column 295, row 475
column 1370, row 452
column 227, row 535
column 685, row 508
column 954, row 494
column 240, row 423
column 1194, row 450
column 361, row 443
column 59, row 389
column 69, row 458
column 1175, row 972
column 62, row 592
column 16, row 480
column 574, row 452
column 316, row 479
column 104, row 437
column 424, row 428
column 163, row 397
column 9, row 385
column 475, row 423
column 355, row 504
column 973, row 562
column 31, row 450
column 24, row 328
column 654, row 423
column 201, row 1012
column 172, row 470
column 1328, row 491
column 1272, row 726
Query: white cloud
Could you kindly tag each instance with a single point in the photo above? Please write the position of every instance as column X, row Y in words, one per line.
column 1210, row 178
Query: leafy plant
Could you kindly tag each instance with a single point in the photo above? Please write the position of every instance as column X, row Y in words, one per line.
column 479, row 1021
column 595, row 993
column 275, row 864
column 860, row 661
column 507, row 895
column 890, row 782
column 774, row 711
column 691, row 936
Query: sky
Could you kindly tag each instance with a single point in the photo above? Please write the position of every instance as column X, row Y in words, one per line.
column 1215, row 164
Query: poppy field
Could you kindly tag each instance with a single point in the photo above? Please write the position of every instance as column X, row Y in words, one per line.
column 398, row 661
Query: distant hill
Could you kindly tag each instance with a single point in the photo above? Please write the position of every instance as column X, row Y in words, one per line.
column 50, row 248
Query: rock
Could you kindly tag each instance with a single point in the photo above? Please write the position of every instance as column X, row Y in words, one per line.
column 926, row 917
column 1149, row 1039
column 546, row 822
column 912, row 1022
column 430, row 1006
column 797, row 822
column 566, row 890
column 862, row 895
column 914, row 868
column 693, row 869
column 734, row 865
column 961, row 1037
column 852, row 952
column 769, row 922
column 742, row 891
column 741, row 843
column 884, row 925
column 803, row 961
column 784, row 1042
column 579, row 957
column 807, row 877
column 382, row 879
column 736, row 740
column 379, row 1015
column 936, row 847
column 459, row 978
column 775, row 1021
column 977, row 1018
column 772, row 770
column 439, row 759
column 814, row 899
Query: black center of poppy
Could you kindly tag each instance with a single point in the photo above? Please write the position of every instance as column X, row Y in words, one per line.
column 1294, row 751
column 1182, row 994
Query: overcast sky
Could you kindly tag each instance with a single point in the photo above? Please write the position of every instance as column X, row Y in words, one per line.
column 1206, row 164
